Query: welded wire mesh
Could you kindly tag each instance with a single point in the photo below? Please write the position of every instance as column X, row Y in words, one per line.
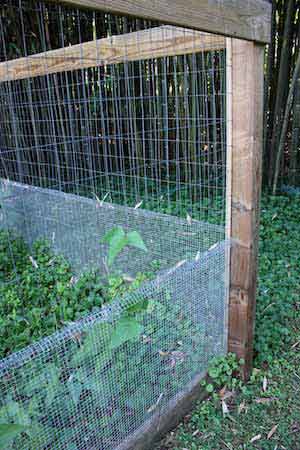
column 150, row 130
column 139, row 143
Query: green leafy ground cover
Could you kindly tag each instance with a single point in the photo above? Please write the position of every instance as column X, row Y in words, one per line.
column 88, row 382
column 40, row 294
column 265, row 413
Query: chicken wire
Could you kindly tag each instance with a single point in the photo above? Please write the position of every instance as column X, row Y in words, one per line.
column 72, row 390
column 76, row 225
column 140, row 145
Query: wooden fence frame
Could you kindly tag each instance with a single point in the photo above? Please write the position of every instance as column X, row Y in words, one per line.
column 250, row 20
column 248, row 26
column 243, row 203
column 166, row 40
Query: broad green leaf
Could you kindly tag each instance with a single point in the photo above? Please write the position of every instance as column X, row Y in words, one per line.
column 92, row 348
column 135, row 240
column 127, row 329
column 75, row 390
column 116, row 244
column 117, row 239
column 15, row 412
column 138, row 307
column 8, row 432
column 111, row 233
column 46, row 382
column 53, row 384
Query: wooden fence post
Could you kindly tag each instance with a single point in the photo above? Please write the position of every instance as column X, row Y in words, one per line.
column 246, row 160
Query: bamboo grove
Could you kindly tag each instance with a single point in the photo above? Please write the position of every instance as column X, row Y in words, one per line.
column 149, row 115
column 282, row 72
column 282, row 98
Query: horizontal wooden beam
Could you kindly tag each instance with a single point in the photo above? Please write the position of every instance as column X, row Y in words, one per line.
column 250, row 20
column 152, row 43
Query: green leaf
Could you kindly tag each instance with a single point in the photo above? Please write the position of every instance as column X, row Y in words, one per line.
column 209, row 388
column 97, row 339
column 52, row 385
column 116, row 243
column 75, row 390
column 127, row 329
column 134, row 239
column 213, row 372
column 117, row 239
column 138, row 307
column 110, row 234
column 8, row 432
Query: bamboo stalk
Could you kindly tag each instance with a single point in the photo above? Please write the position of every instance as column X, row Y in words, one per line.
column 280, row 98
column 285, row 123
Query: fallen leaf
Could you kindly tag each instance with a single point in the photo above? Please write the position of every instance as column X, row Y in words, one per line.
column 295, row 428
column 97, row 200
column 198, row 256
column 222, row 392
column 153, row 407
column 265, row 384
column 295, row 345
column 51, row 262
column 176, row 357
column 128, row 278
column 228, row 394
column 104, row 198
column 265, row 400
column 180, row 263
column 255, row 438
column 225, row 408
column 73, row 281
column 138, row 205
column 242, row 407
column 272, row 431
column 161, row 353
column 33, row 262
column 146, row 339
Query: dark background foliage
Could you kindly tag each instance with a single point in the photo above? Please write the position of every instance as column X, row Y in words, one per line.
column 282, row 143
column 282, row 90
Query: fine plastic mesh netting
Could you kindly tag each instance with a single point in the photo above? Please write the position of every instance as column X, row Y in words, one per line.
column 139, row 143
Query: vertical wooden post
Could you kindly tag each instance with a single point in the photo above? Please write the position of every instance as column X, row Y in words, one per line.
column 246, row 160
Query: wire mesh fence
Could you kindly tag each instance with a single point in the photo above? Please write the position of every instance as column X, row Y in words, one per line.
column 135, row 140
column 76, row 390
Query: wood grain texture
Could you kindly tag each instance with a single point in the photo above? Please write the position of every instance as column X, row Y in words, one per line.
column 236, row 18
column 153, row 43
column 247, row 136
column 229, row 89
